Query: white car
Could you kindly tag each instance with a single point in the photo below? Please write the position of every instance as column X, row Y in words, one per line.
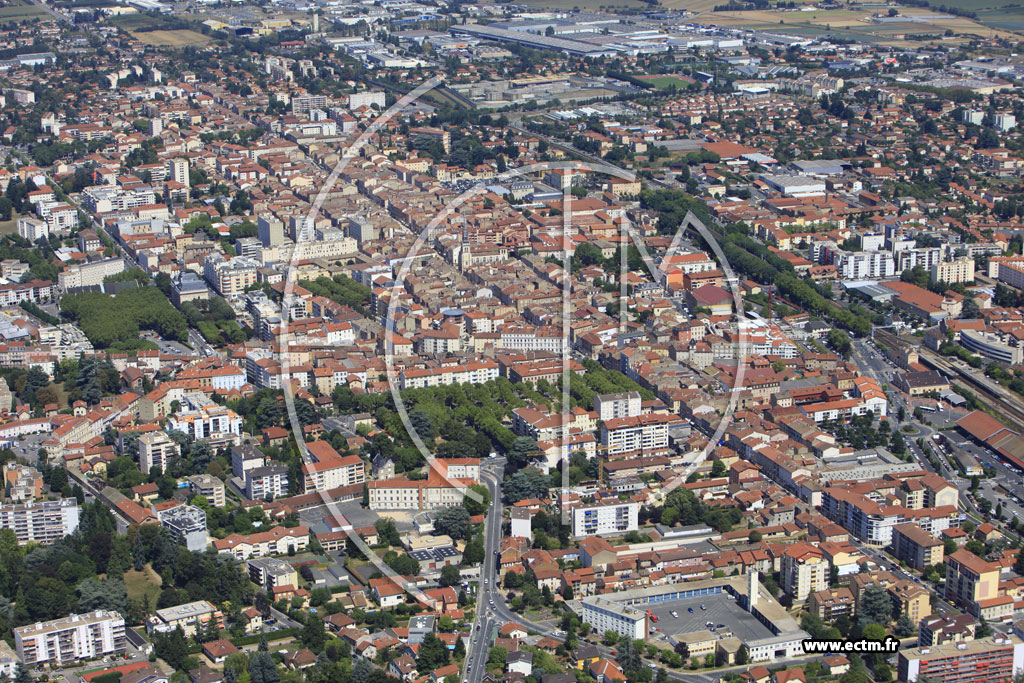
column 675, row 614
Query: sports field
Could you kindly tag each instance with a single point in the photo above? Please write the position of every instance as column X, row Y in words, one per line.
column 665, row 81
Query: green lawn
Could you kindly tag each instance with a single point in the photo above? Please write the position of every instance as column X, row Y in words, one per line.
column 144, row 583
column 16, row 11
column 666, row 82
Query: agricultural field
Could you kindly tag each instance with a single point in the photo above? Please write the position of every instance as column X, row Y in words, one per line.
column 178, row 38
column 15, row 10
column 855, row 24
column 589, row 5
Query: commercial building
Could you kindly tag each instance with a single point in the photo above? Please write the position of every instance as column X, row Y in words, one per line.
column 991, row 346
column 993, row 660
column 190, row 617
column 625, row 612
column 187, row 525
column 71, row 639
column 605, row 519
column 44, row 522
column 156, row 449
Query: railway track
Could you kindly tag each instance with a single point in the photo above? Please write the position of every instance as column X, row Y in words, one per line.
column 998, row 396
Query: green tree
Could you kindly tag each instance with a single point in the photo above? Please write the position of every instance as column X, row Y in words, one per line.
column 875, row 606
column 450, row 576
column 313, row 634
column 262, row 668
column 433, row 654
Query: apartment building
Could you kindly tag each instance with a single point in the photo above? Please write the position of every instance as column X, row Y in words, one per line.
column 267, row 482
column 959, row 270
column 211, row 422
column 246, row 457
column 156, row 449
column 614, row 406
column 270, row 573
column 640, row 435
column 74, row 638
column 44, row 522
column 804, row 571
column 973, row 585
column 190, row 617
column 469, row 373
column 230, row 277
column 992, row 660
column 605, row 519
column 276, row 541
column 915, row 546
column 187, row 525
column 208, row 486
column 325, row 469
column 832, row 603
column 89, row 274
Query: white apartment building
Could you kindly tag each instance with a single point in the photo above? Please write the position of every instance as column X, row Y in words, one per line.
column 366, row 99
column 230, row 277
column 640, row 435
column 191, row 617
column 611, row 406
column 32, row 228
column 71, row 639
column 605, row 519
column 89, row 274
column 177, row 170
column 45, row 521
column 804, row 571
column 862, row 265
column 325, row 469
column 270, row 481
column 470, row 373
column 604, row 615
column 926, row 257
column 207, row 421
column 187, row 525
column 960, row 270
column 156, row 450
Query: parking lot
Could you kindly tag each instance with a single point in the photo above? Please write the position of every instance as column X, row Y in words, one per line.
column 353, row 510
column 719, row 609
